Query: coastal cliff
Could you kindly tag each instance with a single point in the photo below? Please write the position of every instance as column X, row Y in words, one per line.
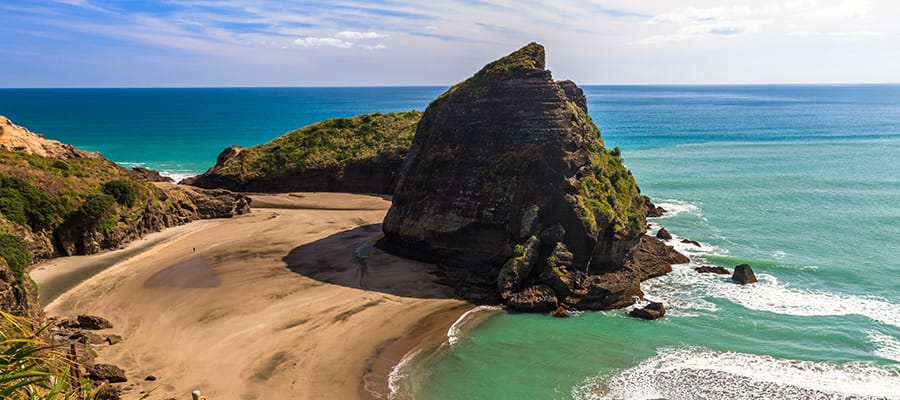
column 508, row 186
column 57, row 200
column 361, row 154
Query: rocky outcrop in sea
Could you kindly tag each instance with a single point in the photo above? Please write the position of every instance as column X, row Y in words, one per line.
column 509, row 188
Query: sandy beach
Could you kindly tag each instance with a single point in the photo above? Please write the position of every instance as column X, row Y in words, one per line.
column 273, row 304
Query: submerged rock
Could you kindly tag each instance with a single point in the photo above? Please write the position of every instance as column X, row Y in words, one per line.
column 743, row 274
column 709, row 269
column 650, row 311
column 504, row 168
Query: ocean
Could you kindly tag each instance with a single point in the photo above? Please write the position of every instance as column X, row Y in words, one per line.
column 801, row 182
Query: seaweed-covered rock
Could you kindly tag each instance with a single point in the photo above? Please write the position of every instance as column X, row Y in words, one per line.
column 506, row 155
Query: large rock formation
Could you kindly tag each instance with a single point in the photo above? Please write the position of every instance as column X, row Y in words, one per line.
column 361, row 154
column 508, row 186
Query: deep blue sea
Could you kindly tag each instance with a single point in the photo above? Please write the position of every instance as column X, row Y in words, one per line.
column 801, row 182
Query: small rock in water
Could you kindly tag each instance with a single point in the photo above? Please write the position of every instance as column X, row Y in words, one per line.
column 709, row 269
column 663, row 234
column 743, row 274
column 693, row 242
column 93, row 322
column 650, row 311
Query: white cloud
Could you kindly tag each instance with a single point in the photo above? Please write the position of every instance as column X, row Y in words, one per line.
column 692, row 23
column 310, row 41
column 352, row 35
column 837, row 34
column 339, row 42
column 430, row 28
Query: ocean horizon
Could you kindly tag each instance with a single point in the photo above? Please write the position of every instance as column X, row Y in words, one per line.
column 799, row 181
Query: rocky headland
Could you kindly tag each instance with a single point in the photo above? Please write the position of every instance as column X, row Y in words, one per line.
column 57, row 200
column 361, row 154
column 509, row 188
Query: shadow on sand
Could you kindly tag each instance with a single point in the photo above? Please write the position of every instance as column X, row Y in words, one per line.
column 349, row 259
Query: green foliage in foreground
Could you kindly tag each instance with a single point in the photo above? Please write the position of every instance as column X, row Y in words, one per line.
column 330, row 144
column 31, row 368
column 15, row 251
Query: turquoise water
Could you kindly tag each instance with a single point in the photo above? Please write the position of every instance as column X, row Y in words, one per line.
column 801, row 182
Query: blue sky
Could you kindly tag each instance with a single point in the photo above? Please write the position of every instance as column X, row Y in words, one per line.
column 132, row 43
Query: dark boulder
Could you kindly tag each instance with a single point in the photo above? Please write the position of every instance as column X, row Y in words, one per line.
column 743, row 274
column 709, row 269
column 652, row 210
column 650, row 311
column 106, row 372
column 93, row 322
column 506, row 156
column 150, row 378
column 663, row 234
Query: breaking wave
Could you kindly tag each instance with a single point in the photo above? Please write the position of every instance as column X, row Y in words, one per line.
column 693, row 373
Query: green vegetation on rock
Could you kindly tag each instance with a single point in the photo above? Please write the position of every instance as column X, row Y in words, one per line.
column 15, row 251
column 524, row 59
column 49, row 196
column 610, row 194
column 327, row 145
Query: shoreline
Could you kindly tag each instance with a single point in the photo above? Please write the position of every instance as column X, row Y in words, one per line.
column 261, row 305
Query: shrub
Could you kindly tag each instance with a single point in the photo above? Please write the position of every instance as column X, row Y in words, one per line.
column 123, row 191
column 15, row 251
column 95, row 208
column 25, row 203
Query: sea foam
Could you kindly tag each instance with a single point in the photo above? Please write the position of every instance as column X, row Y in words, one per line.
column 694, row 373
column 886, row 346
column 687, row 290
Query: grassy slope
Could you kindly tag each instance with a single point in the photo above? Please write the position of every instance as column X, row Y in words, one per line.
column 330, row 144
column 40, row 195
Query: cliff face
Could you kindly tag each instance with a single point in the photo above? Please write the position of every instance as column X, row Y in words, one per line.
column 63, row 202
column 509, row 187
column 361, row 154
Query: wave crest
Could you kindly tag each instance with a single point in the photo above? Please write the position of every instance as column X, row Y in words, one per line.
column 691, row 373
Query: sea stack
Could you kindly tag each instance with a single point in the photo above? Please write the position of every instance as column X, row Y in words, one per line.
column 509, row 189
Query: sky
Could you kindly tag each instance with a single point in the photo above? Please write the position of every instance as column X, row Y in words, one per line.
column 187, row 43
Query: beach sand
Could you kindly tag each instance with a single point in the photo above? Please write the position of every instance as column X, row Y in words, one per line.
column 265, row 305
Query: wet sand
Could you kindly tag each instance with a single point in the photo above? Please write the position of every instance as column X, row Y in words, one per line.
column 265, row 305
